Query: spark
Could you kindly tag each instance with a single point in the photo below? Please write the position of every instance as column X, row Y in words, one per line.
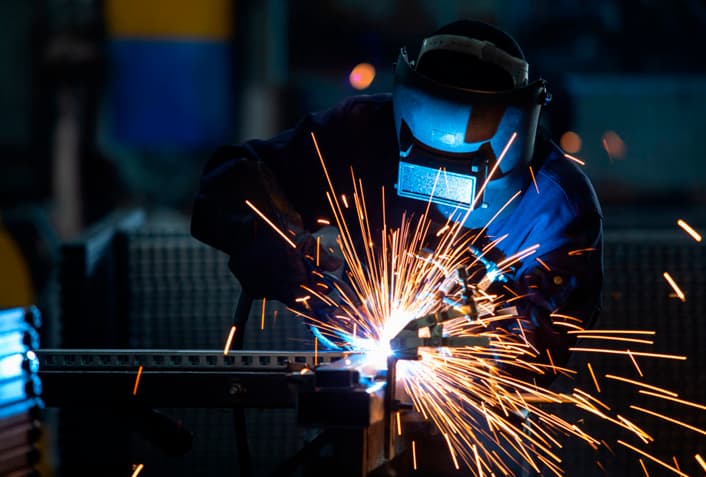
column 642, row 463
column 543, row 264
column 653, row 459
column 635, row 353
column 575, row 159
column 674, row 399
column 316, row 351
column 323, row 221
column 668, row 419
column 229, row 340
column 534, row 180
column 700, row 460
column 137, row 470
column 593, row 375
column 262, row 318
column 137, row 381
column 688, row 229
column 634, row 362
column 318, row 250
column 674, row 286
column 581, row 251
column 471, row 394
column 414, row 455
column 676, row 463
column 271, row 224
column 642, row 385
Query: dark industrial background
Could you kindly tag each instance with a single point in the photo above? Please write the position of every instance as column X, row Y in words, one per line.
column 109, row 110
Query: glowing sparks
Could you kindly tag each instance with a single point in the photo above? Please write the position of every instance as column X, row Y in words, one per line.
column 575, row 159
column 700, row 460
column 318, row 250
column 669, row 419
column 675, row 287
column 137, row 381
column 262, row 314
column 472, row 394
column 543, row 264
column 414, row 455
column 641, row 384
column 644, row 469
column 653, row 459
column 229, row 340
column 323, row 221
column 534, row 180
column 316, row 351
column 271, row 224
column 688, row 229
column 137, row 470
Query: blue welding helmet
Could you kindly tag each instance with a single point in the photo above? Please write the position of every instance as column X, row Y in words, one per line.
column 456, row 108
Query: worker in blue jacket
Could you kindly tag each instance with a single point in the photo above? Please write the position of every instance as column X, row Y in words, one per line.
column 455, row 106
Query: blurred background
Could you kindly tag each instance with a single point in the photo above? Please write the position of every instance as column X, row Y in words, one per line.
column 109, row 110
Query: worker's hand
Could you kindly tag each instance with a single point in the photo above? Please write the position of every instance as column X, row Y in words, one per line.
column 270, row 267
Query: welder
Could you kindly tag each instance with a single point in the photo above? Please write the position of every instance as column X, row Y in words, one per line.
column 463, row 103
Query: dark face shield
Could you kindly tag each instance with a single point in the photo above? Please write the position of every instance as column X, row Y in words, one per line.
column 451, row 138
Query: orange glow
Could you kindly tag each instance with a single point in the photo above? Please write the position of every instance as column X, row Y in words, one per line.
column 229, row 340
column 534, row 180
column 669, row 419
column 362, row 75
column 595, row 381
column 700, row 460
column 644, row 469
column 543, row 264
column 414, row 455
column 688, row 229
column 680, row 401
column 270, row 223
column 653, row 459
column 613, row 145
column 137, row 381
column 323, row 221
column 575, row 159
column 399, row 424
column 642, row 385
column 262, row 319
column 675, row 287
column 137, row 470
column 570, row 142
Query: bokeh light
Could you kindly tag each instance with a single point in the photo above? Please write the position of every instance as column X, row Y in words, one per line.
column 362, row 75
column 613, row 145
column 570, row 142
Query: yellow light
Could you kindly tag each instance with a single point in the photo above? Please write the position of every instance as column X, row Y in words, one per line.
column 362, row 75
column 137, row 381
column 688, row 229
column 137, row 470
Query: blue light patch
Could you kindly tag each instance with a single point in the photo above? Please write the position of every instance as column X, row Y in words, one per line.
column 451, row 188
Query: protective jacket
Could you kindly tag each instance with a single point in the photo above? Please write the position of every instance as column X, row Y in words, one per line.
column 559, row 211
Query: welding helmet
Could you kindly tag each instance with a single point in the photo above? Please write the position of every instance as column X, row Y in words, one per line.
column 465, row 114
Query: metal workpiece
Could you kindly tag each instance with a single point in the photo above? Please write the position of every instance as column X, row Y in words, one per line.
column 176, row 378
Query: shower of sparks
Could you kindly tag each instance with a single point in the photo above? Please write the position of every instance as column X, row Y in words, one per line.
column 229, row 340
column 688, row 229
column 484, row 400
column 137, row 381
column 271, row 224
column 137, row 470
column 675, row 287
